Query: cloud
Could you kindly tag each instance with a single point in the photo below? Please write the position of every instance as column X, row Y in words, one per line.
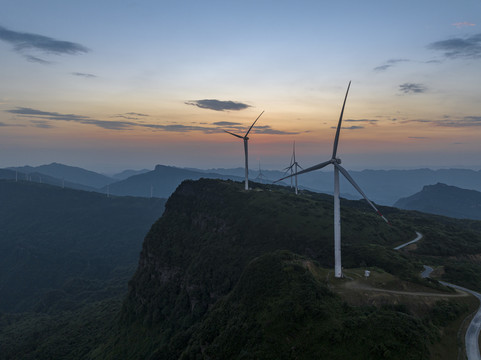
column 382, row 67
column 130, row 116
column 136, row 114
column 54, row 116
column 354, row 127
column 226, row 123
column 42, row 124
column 41, row 119
column 218, row 105
column 412, row 88
column 266, row 129
column 85, row 75
column 369, row 121
column 466, row 121
column 37, row 60
column 388, row 64
column 463, row 24
column 29, row 112
column 417, row 137
column 469, row 47
column 27, row 41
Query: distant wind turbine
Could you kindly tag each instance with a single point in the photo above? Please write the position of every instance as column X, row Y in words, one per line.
column 260, row 176
column 336, row 162
column 293, row 166
column 246, row 139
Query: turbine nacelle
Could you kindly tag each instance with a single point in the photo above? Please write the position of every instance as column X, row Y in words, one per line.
column 336, row 161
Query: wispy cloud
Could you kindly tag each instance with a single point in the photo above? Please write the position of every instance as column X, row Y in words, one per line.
column 417, row 137
column 227, row 123
column 130, row 116
column 42, row 119
column 354, row 127
column 368, row 121
column 85, row 75
column 24, row 43
column 469, row 47
column 218, row 105
column 412, row 88
column 37, row 60
column 136, row 114
column 388, row 64
column 42, row 124
column 266, row 129
column 55, row 116
column 466, row 121
column 463, row 24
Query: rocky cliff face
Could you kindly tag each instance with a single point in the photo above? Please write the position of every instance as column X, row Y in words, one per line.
column 195, row 254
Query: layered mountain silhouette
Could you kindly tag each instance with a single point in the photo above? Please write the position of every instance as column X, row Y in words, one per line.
column 70, row 174
column 442, row 199
column 382, row 186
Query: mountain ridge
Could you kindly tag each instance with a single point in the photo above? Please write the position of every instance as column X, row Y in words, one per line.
column 447, row 200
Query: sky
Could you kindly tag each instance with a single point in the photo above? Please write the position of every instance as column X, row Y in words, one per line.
column 113, row 85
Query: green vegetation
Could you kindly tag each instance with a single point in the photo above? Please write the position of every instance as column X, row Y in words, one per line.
column 279, row 310
column 61, row 247
column 226, row 273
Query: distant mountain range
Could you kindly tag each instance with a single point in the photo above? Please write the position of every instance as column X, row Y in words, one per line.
column 128, row 173
column 383, row 187
column 68, row 173
column 161, row 182
column 442, row 199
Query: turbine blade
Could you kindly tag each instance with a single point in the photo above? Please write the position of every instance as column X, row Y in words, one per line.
column 312, row 168
column 336, row 139
column 248, row 131
column 299, row 166
column 228, row 132
column 353, row 183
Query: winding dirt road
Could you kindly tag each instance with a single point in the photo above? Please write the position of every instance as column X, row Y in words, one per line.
column 471, row 339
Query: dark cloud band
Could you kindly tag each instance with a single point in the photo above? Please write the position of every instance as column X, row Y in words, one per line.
column 412, row 88
column 469, row 47
column 24, row 41
column 218, row 105
column 40, row 119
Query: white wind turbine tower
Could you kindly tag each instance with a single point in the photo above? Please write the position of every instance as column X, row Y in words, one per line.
column 293, row 166
column 246, row 139
column 336, row 162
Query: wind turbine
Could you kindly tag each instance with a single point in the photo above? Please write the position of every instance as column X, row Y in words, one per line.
column 293, row 166
column 246, row 139
column 336, row 162
column 260, row 176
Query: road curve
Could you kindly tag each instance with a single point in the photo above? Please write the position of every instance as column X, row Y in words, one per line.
column 472, row 334
column 418, row 237
column 471, row 339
